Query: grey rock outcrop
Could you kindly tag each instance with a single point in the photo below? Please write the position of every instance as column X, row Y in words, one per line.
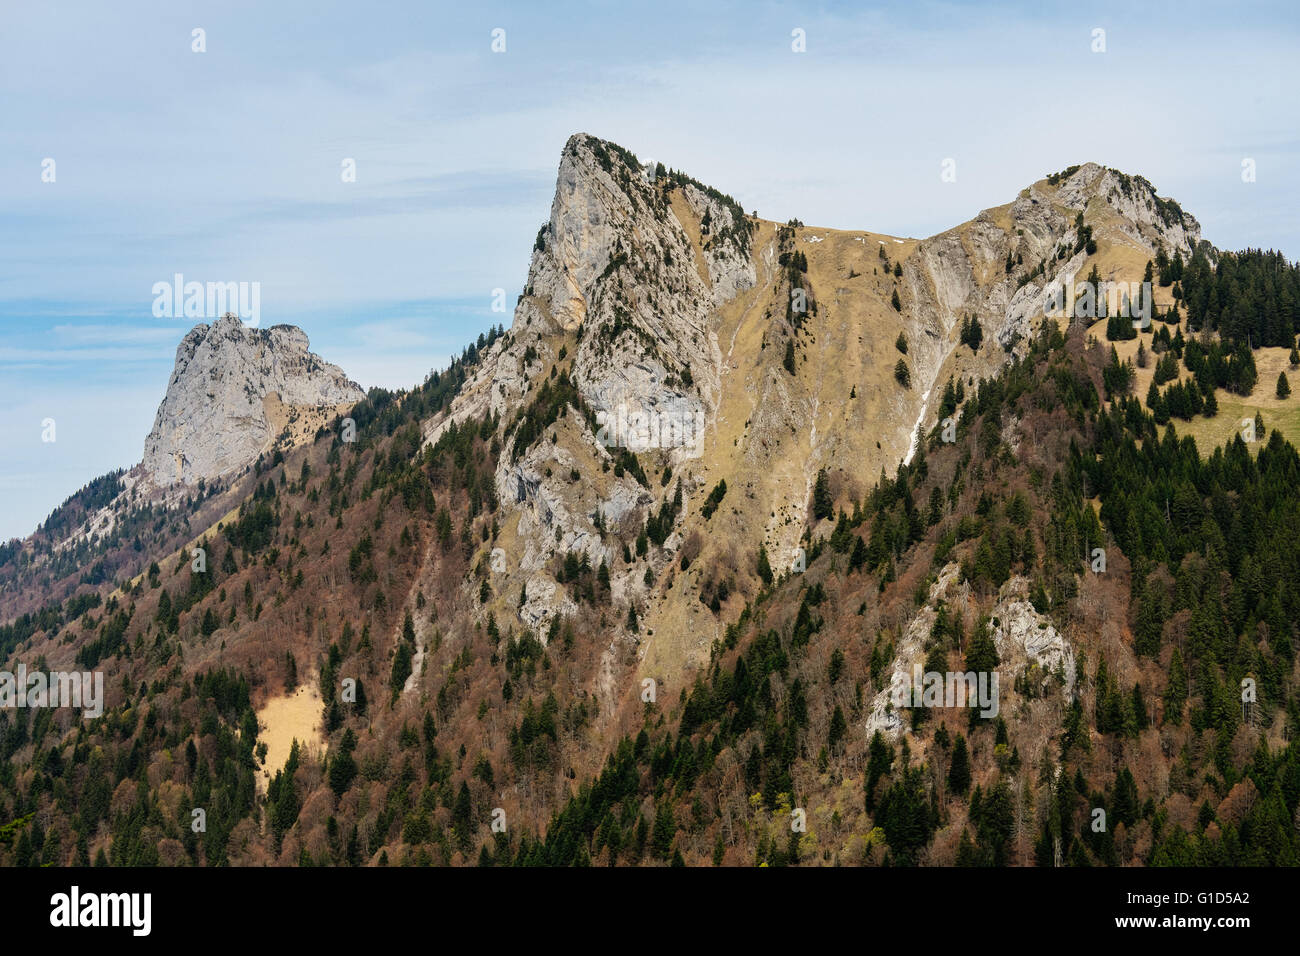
column 232, row 392
column 616, row 264
column 615, row 261
column 1030, row 648
column 961, row 271
column 1028, row 643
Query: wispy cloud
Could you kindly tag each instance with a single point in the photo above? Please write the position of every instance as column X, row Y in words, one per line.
column 460, row 191
column 72, row 356
column 226, row 165
column 75, row 336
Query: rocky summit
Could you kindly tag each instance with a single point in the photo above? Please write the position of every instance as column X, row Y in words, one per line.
column 233, row 392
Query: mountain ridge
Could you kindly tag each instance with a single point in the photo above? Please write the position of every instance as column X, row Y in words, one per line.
column 611, row 216
column 521, row 599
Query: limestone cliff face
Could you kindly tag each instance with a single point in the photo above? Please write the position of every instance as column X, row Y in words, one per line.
column 667, row 311
column 623, row 281
column 234, row 390
column 616, row 264
column 962, row 272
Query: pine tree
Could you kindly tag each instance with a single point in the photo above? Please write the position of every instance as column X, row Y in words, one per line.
column 823, row 504
column 1139, row 707
column 839, row 727
column 401, row 668
column 972, row 333
column 764, row 567
column 959, row 769
column 1283, row 386
column 1149, row 623
column 935, row 514
column 982, row 653
column 995, row 821
column 880, row 758
column 1126, row 806
column 343, row 769
column 461, row 816
column 902, row 374
column 664, row 830
column 835, row 669
column 1176, row 687
column 859, row 556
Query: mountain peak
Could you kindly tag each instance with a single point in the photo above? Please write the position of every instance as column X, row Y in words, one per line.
column 1150, row 218
column 726, row 350
column 234, row 391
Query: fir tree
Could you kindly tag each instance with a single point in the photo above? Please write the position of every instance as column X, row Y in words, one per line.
column 823, row 504
column 959, row 769
column 902, row 374
column 1175, row 687
column 764, row 567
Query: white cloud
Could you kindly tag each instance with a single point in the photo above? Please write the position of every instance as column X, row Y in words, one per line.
column 83, row 335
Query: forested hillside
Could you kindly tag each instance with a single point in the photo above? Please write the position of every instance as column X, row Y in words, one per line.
column 1043, row 471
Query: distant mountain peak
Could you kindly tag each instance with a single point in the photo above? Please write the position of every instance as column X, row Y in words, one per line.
column 233, row 392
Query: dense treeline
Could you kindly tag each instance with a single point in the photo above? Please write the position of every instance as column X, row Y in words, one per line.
column 88, row 500
column 1250, row 297
column 218, row 777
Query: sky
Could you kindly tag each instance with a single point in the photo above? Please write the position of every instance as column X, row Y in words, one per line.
column 227, row 163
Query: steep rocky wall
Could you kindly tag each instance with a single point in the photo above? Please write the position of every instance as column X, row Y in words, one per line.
column 214, row 417
column 962, row 271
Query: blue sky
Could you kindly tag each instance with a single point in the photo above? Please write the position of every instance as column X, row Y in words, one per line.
column 225, row 165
